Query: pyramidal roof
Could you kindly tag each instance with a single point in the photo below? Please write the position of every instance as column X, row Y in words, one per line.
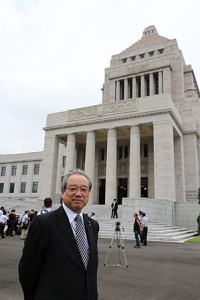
column 150, row 38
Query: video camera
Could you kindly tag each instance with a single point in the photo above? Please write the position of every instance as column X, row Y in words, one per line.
column 117, row 226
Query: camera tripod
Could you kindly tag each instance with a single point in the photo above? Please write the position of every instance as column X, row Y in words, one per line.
column 120, row 244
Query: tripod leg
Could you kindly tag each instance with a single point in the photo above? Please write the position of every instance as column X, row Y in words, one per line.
column 110, row 246
column 123, row 249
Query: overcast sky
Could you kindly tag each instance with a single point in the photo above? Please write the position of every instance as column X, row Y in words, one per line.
column 53, row 55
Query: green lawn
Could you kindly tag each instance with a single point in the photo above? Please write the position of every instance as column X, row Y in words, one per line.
column 195, row 240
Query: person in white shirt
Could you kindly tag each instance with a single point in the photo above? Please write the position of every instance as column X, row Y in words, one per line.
column 3, row 220
column 144, row 227
column 25, row 219
column 93, row 216
column 47, row 206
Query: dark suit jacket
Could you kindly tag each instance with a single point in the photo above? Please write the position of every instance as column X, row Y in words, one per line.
column 51, row 267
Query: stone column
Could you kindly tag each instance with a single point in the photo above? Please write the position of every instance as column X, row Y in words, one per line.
column 142, row 86
column 125, row 89
column 134, row 164
column 90, row 160
column 47, row 186
column 111, row 166
column 167, row 80
column 179, row 169
column 70, row 152
column 134, row 88
column 150, row 171
column 164, row 172
column 191, row 164
column 117, row 90
column 151, row 84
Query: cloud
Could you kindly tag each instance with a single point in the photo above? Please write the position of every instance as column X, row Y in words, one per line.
column 53, row 55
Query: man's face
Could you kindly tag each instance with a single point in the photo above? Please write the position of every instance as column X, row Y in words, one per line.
column 76, row 194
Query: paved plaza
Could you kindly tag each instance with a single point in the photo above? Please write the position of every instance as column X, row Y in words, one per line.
column 160, row 271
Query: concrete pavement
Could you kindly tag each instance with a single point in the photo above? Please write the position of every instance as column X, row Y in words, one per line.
column 160, row 271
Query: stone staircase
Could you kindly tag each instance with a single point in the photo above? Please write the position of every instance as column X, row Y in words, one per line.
column 156, row 231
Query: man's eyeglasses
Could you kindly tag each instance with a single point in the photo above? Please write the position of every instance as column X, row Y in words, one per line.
column 75, row 189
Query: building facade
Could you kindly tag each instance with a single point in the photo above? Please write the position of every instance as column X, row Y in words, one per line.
column 142, row 142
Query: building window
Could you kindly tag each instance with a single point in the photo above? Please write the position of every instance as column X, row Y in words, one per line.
column 132, row 57
column 160, row 51
column 102, row 154
column 147, row 88
column 1, row 187
column 156, row 83
column 64, row 161
column 138, row 87
column 122, row 152
column 14, row 170
column 130, row 88
column 36, row 168
column 3, row 171
column 124, row 60
column 126, row 152
column 25, row 170
column 23, row 187
column 151, row 53
column 144, row 150
column 12, row 187
column 35, row 187
column 121, row 90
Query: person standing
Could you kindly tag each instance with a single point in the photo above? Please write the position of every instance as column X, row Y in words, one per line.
column 24, row 223
column 10, row 223
column 136, row 229
column 47, row 206
column 112, row 208
column 60, row 254
column 115, row 208
column 3, row 220
column 144, row 228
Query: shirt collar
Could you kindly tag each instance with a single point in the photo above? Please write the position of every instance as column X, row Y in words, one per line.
column 71, row 215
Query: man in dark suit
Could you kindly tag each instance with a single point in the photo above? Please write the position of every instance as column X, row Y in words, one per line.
column 51, row 266
column 115, row 209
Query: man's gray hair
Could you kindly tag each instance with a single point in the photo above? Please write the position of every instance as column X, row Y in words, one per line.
column 72, row 172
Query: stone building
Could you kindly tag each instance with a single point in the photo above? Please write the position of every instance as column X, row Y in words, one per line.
column 141, row 144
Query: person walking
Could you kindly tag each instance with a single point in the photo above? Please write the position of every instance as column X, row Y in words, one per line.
column 60, row 254
column 136, row 229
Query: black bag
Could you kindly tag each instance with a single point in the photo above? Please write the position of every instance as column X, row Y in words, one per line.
column 25, row 226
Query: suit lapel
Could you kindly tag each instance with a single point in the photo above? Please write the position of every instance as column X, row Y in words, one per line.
column 65, row 227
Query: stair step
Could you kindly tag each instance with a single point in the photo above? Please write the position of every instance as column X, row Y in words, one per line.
column 156, row 231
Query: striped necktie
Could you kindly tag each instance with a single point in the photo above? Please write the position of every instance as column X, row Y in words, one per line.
column 81, row 240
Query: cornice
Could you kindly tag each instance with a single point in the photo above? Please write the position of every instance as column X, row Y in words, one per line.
column 129, row 115
column 135, row 70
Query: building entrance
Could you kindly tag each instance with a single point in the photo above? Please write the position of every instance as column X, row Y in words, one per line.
column 144, row 187
column 121, row 189
column 102, row 190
